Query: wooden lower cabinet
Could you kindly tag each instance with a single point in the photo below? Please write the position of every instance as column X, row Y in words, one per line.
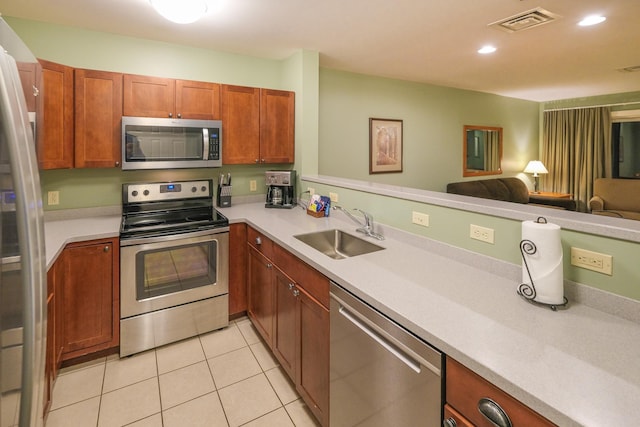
column 296, row 324
column 91, row 289
column 465, row 390
column 261, row 293
column 237, row 270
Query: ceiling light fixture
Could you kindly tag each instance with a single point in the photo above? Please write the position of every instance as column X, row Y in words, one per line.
column 180, row 11
column 592, row 20
column 486, row 49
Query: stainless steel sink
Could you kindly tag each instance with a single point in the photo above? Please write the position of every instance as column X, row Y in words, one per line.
column 337, row 244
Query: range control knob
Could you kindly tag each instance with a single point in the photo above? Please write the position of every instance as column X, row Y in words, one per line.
column 145, row 192
column 134, row 193
column 194, row 189
column 203, row 188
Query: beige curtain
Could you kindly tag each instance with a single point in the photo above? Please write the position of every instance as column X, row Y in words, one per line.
column 492, row 151
column 576, row 149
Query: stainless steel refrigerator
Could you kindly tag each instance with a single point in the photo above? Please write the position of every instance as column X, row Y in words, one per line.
column 23, row 277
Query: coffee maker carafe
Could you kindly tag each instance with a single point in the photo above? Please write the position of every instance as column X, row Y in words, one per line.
column 281, row 189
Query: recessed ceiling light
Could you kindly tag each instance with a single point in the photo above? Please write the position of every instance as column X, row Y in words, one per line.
column 486, row 49
column 180, row 12
column 592, row 20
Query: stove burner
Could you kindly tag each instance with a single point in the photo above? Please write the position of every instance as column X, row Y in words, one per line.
column 182, row 212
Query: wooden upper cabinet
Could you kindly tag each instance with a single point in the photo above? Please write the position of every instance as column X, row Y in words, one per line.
column 240, row 125
column 277, row 126
column 197, row 100
column 30, row 75
column 146, row 96
column 55, row 125
column 98, row 118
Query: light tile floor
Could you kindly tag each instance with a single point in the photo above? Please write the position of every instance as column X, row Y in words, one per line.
column 223, row 378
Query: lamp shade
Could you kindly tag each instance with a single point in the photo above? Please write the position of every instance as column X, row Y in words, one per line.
column 180, row 11
column 535, row 167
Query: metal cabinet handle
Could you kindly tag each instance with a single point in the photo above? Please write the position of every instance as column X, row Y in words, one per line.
column 269, row 265
column 117, row 164
column 179, row 115
column 106, row 249
column 291, row 286
column 257, row 160
column 493, row 412
column 36, row 91
column 296, row 292
column 170, row 115
column 449, row 422
column 258, row 241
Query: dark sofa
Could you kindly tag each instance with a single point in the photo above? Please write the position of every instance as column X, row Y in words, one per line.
column 507, row 190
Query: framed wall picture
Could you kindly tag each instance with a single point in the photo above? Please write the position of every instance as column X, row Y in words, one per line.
column 385, row 145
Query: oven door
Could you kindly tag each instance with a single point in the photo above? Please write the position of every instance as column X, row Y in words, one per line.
column 167, row 271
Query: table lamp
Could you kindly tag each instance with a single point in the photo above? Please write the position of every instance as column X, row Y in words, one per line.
column 535, row 167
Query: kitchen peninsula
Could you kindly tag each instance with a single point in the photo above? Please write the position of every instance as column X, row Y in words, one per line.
column 574, row 366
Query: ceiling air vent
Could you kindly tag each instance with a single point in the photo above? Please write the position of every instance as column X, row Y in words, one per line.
column 525, row 20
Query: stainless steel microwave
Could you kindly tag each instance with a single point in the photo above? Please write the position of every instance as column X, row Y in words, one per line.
column 150, row 143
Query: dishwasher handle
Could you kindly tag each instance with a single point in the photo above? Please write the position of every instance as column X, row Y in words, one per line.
column 391, row 348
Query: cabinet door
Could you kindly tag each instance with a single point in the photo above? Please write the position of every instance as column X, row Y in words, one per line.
column 240, row 125
column 90, row 297
column 261, row 294
column 55, row 126
column 98, row 118
column 237, row 269
column 197, row 100
column 284, row 341
column 146, row 96
column 30, row 82
column 312, row 374
column 277, row 126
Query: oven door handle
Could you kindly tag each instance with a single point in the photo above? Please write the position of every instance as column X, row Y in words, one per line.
column 131, row 241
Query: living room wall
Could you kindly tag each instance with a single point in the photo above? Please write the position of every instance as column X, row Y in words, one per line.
column 433, row 119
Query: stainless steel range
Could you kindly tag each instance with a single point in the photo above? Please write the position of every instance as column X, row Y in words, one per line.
column 174, row 264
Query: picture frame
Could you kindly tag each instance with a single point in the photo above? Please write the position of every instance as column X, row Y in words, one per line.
column 385, row 145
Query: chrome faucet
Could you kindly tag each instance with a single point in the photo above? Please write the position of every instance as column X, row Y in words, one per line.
column 367, row 227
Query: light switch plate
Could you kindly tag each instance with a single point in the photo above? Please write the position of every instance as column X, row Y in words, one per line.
column 252, row 185
column 53, row 198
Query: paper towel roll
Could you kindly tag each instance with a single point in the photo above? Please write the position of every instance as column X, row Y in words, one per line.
column 545, row 265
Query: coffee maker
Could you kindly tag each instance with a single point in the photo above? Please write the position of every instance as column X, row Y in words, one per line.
column 281, row 189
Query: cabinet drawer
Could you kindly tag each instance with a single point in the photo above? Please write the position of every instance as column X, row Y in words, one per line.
column 452, row 416
column 465, row 389
column 260, row 242
column 306, row 277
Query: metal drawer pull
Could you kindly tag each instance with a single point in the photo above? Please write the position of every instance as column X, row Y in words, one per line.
column 258, row 241
column 106, row 249
column 493, row 412
column 449, row 422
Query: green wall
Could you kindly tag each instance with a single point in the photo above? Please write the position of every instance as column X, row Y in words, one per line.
column 101, row 51
column 433, row 119
column 332, row 112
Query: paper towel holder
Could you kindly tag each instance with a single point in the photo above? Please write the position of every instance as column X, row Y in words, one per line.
column 528, row 291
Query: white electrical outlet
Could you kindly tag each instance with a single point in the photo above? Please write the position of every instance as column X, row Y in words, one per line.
column 311, row 190
column 252, row 185
column 53, row 198
column 420, row 218
column 334, row 197
column 602, row 263
column 481, row 233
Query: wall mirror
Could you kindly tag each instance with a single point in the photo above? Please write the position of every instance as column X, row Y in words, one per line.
column 481, row 150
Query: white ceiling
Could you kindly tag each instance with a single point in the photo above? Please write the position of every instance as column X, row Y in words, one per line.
column 430, row 41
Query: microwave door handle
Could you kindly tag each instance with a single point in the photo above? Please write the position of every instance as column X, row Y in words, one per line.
column 205, row 144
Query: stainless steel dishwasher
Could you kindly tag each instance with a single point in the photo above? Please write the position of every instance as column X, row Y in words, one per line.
column 380, row 373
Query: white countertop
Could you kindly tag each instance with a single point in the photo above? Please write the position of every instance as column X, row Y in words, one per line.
column 578, row 366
